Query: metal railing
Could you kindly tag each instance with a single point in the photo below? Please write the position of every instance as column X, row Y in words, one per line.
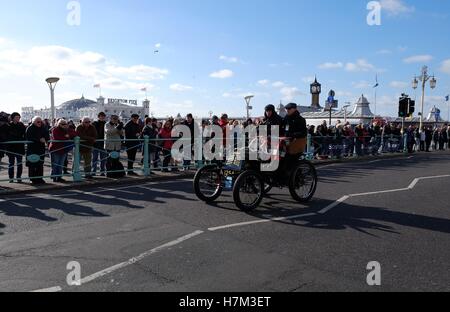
column 318, row 147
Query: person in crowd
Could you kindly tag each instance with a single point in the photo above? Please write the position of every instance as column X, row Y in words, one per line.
column 189, row 122
column 360, row 133
column 59, row 149
column 410, row 139
column 99, row 154
column 3, row 135
column 132, row 132
column 423, row 138
column 71, row 126
column 271, row 118
column 166, row 135
column 88, row 135
column 113, row 135
column 436, row 139
column 38, row 135
column 428, row 138
column 295, row 129
column 151, row 132
column 15, row 152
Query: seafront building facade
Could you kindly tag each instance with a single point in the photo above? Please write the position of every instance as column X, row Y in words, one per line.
column 79, row 108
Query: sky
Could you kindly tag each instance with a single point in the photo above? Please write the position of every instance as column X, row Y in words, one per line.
column 212, row 53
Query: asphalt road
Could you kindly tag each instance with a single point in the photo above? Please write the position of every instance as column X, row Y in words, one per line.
column 159, row 237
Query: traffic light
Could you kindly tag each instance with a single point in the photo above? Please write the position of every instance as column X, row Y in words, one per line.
column 403, row 107
column 412, row 107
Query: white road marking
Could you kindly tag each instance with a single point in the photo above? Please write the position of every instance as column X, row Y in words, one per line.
column 333, row 205
column 129, row 262
column 228, row 226
column 49, row 290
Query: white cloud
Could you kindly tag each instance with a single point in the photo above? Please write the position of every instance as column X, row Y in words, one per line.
column 330, row 65
column 445, row 67
column 289, row 93
column 278, row 84
column 139, row 72
column 384, row 51
column 396, row 7
column 399, row 84
column 362, row 85
column 361, row 65
column 222, row 74
column 264, row 82
column 418, row 59
column 158, row 45
column 229, row 59
column 26, row 68
column 179, row 87
column 309, row 79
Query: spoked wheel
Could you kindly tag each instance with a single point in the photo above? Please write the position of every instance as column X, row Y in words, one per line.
column 208, row 183
column 248, row 191
column 303, row 182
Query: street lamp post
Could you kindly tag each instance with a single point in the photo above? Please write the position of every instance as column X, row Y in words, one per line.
column 52, row 85
column 424, row 77
column 345, row 111
column 247, row 101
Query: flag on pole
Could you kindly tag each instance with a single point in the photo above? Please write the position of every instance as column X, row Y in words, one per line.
column 144, row 89
column 376, row 82
column 97, row 86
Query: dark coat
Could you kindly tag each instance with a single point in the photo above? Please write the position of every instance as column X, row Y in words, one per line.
column 88, row 136
column 3, row 138
column 100, row 127
column 132, row 132
column 16, row 132
column 274, row 120
column 295, row 126
column 34, row 134
column 152, row 134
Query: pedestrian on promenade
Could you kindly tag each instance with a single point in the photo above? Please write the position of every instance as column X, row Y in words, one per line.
column 15, row 133
column 428, row 138
column 113, row 135
column 99, row 154
column 166, row 135
column 132, row 133
column 3, row 135
column 59, row 149
column 88, row 135
column 38, row 135
column 150, row 130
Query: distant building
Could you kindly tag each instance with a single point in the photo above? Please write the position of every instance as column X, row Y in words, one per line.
column 79, row 108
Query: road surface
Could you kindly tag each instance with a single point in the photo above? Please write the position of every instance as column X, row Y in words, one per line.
column 159, row 237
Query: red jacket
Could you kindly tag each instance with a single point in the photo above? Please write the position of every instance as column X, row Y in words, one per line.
column 60, row 134
column 166, row 135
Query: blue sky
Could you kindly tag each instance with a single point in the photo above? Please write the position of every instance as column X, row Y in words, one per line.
column 212, row 53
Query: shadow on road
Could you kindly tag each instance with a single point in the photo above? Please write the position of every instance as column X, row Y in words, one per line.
column 363, row 169
column 365, row 219
column 2, row 226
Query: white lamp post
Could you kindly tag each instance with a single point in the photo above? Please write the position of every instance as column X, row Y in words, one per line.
column 345, row 111
column 52, row 85
column 424, row 77
column 247, row 101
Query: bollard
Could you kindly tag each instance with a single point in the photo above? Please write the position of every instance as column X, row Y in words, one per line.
column 76, row 161
column 146, row 156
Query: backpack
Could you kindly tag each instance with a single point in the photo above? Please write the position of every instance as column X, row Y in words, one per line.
column 114, row 169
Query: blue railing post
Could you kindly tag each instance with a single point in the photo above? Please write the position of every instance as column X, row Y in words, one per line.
column 310, row 153
column 76, row 161
column 146, row 156
column 405, row 143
